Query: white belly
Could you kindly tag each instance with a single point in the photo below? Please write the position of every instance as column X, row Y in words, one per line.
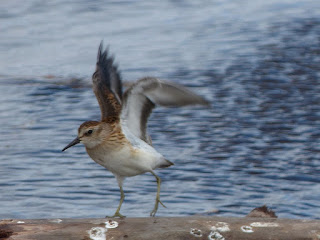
column 127, row 161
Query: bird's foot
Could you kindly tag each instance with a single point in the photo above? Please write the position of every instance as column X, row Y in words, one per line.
column 117, row 214
column 155, row 209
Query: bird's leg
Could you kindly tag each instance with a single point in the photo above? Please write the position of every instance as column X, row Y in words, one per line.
column 154, row 211
column 117, row 213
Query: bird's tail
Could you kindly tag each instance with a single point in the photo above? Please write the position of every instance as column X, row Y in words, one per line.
column 166, row 163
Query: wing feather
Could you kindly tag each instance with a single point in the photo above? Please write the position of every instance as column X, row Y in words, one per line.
column 142, row 96
column 107, row 85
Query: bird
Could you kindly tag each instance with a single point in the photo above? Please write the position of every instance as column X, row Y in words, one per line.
column 120, row 141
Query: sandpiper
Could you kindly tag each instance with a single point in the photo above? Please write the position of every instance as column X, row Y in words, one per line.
column 120, row 142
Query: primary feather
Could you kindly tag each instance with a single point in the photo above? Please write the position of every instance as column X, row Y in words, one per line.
column 107, row 85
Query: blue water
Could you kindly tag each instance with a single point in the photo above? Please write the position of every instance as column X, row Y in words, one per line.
column 258, row 62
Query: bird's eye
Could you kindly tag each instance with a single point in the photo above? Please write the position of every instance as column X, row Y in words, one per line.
column 90, row 131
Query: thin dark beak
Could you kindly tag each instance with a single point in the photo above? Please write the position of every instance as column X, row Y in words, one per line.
column 74, row 142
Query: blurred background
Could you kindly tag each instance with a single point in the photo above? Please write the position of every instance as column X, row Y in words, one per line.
column 257, row 61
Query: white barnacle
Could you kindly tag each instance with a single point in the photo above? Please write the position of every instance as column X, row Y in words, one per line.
column 247, row 229
column 221, row 227
column 214, row 235
column 111, row 224
column 196, row 232
column 97, row 233
column 264, row 224
column 56, row 220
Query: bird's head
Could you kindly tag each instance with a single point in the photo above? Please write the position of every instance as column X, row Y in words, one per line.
column 91, row 134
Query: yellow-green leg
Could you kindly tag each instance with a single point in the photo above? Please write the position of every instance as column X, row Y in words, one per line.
column 117, row 213
column 155, row 209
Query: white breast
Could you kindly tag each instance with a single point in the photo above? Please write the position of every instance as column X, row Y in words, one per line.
column 128, row 160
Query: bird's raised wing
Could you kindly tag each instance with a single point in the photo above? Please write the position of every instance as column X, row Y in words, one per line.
column 107, row 86
column 141, row 97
